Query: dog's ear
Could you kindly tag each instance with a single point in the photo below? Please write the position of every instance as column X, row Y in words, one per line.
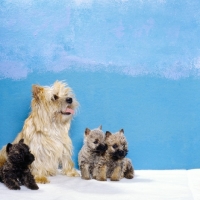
column 21, row 141
column 8, row 147
column 108, row 134
column 122, row 131
column 36, row 90
column 55, row 97
column 100, row 127
column 87, row 131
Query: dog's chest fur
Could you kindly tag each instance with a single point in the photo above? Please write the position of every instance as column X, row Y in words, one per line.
column 52, row 141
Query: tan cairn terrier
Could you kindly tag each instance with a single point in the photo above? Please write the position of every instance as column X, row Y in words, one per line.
column 46, row 131
column 91, row 156
column 118, row 166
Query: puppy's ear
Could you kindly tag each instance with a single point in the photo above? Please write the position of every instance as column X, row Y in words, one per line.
column 21, row 141
column 8, row 147
column 100, row 127
column 87, row 131
column 108, row 134
column 36, row 90
column 122, row 131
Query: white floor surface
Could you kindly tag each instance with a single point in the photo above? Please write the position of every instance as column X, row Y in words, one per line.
column 147, row 185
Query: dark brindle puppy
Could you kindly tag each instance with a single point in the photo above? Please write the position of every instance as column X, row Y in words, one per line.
column 15, row 171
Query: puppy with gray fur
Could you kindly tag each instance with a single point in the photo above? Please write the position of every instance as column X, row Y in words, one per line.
column 91, row 156
column 15, row 171
column 118, row 166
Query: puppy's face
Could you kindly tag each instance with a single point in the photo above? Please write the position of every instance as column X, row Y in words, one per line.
column 57, row 102
column 117, row 145
column 95, row 140
column 19, row 154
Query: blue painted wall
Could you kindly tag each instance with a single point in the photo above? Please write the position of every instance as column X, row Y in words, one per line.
column 132, row 64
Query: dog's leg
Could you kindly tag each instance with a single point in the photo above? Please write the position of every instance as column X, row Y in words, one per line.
column 115, row 176
column 128, row 169
column 85, row 171
column 67, row 163
column 28, row 181
column 11, row 181
column 39, row 173
column 101, row 174
column 68, row 168
column 95, row 172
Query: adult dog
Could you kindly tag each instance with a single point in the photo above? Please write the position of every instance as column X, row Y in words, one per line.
column 46, row 131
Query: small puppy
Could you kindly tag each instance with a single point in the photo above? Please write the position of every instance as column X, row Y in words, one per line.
column 91, row 156
column 15, row 171
column 46, row 131
column 117, row 165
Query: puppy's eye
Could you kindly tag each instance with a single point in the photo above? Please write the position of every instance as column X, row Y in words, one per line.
column 115, row 146
column 96, row 142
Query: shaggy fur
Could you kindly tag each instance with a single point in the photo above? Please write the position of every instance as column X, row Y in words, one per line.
column 91, row 156
column 15, row 171
column 118, row 166
column 46, row 131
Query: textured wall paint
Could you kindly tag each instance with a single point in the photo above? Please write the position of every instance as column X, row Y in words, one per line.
column 132, row 64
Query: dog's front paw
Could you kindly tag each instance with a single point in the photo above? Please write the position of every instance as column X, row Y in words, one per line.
column 129, row 176
column 101, row 179
column 70, row 173
column 14, row 187
column 33, row 187
column 41, row 179
column 85, row 177
column 114, row 179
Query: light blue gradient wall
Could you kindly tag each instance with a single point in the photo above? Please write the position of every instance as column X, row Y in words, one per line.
column 133, row 64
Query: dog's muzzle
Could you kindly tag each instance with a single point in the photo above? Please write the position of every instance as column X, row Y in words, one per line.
column 119, row 154
column 101, row 148
column 29, row 159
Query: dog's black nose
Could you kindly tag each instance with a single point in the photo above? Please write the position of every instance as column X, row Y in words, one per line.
column 69, row 100
column 102, row 148
column 121, row 153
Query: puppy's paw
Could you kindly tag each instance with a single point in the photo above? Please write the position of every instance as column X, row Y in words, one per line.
column 85, row 178
column 114, row 178
column 129, row 176
column 101, row 179
column 41, row 179
column 14, row 187
column 33, row 187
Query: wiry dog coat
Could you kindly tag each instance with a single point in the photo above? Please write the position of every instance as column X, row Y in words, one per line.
column 46, row 131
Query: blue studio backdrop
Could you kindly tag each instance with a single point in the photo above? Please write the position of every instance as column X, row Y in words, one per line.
column 133, row 64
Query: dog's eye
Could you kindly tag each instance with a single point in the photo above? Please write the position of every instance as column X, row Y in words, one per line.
column 115, row 146
column 96, row 142
column 55, row 97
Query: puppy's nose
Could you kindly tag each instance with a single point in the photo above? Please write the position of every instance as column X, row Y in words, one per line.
column 121, row 153
column 69, row 100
